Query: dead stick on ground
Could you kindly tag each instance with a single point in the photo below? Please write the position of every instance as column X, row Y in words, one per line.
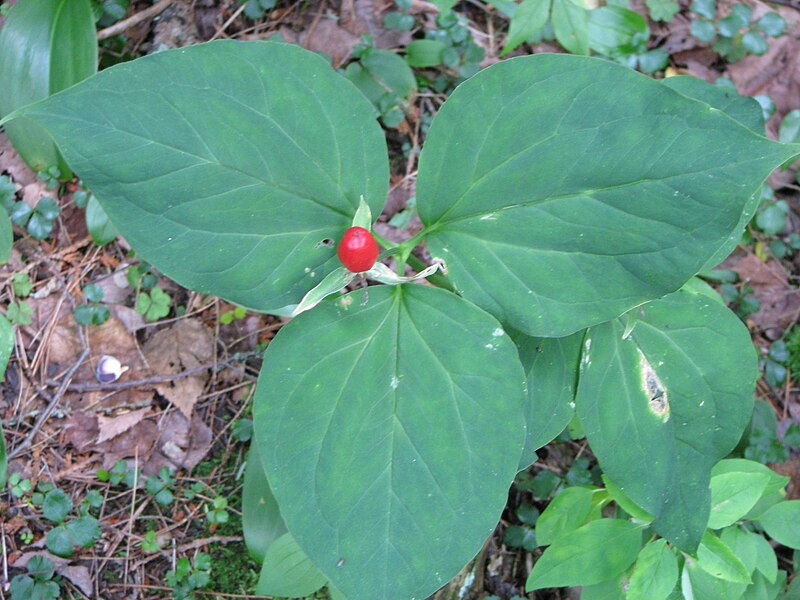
column 227, row 23
column 51, row 406
column 125, row 385
column 133, row 20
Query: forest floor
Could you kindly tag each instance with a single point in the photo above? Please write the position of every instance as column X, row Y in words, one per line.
column 184, row 399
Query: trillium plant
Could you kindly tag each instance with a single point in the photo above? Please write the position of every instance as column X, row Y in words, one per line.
column 568, row 202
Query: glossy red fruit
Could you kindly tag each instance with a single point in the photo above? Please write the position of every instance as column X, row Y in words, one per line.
column 358, row 250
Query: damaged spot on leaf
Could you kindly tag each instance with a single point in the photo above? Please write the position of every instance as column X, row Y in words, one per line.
column 654, row 389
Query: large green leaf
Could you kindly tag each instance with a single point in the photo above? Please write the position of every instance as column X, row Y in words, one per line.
column 563, row 190
column 594, row 553
column 552, row 368
column 390, row 421
column 571, row 25
column 567, row 512
column 529, row 17
column 782, row 523
column 733, row 495
column 6, row 344
column 656, row 572
column 287, row 571
column 261, row 518
column 746, row 111
column 45, row 47
column 6, row 236
column 741, row 108
column 714, row 557
column 226, row 164
column 661, row 406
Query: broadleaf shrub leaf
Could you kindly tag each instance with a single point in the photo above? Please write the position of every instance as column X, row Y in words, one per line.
column 714, row 557
column 733, row 495
column 403, row 408
column 529, row 18
column 551, row 365
column 226, row 164
column 552, row 169
column 782, row 523
column 679, row 391
column 591, row 554
column 564, row 514
column 6, row 236
column 656, row 573
column 287, row 571
column 261, row 518
column 45, row 47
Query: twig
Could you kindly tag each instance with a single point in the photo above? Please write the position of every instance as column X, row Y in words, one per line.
column 5, row 554
column 313, row 27
column 133, row 507
column 133, row 20
column 788, row 3
column 217, row 539
column 52, row 403
column 227, row 23
column 126, row 385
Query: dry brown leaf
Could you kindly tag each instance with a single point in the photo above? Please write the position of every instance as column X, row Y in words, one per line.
column 25, row 558
column 780, row 302
column 111, row 427
column 185, row 345
column 114, row 339
column 12, row 163
column 139, row 441
column 80, row 577
column 182, row 444
column 81, row 430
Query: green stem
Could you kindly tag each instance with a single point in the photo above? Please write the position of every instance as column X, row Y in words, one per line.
column 388, row 244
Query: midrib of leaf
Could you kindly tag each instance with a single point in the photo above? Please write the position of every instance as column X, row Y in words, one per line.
column 586, row 192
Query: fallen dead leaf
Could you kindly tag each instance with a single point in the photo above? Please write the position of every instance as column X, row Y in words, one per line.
column 80, row 577
column 182, row 444
column 111, row 427
column 81, row 430
column 12, row 163
column 185, row 345
column 139, row 441
column 780, row 302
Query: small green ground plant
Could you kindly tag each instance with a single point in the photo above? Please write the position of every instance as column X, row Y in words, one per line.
column 568, row 203
column 737, row 34
column 622, row 557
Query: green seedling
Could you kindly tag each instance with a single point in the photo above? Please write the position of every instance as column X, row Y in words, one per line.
column 68, row 534
column 38, row 583
column 153, row 305
column 19, row 486
column 217, row 512
column 93, row 312
column 189, row 576
column 736, row 35
column 159, row 486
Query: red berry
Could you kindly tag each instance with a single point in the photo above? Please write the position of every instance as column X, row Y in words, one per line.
column 358, row 250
